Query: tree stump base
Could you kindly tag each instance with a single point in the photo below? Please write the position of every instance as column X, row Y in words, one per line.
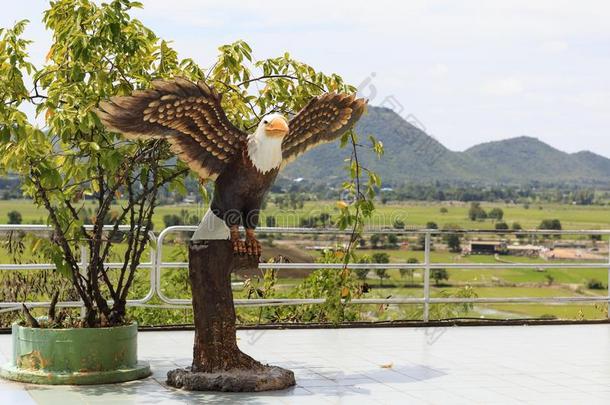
column 266, row 378
column 218, row 364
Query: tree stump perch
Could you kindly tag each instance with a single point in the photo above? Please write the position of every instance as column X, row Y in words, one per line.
column 218, row 364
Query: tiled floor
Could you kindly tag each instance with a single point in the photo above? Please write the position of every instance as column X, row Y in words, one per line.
column 462, row 365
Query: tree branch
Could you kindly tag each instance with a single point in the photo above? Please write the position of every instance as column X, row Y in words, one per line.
column 76, row 280
column 280, row 76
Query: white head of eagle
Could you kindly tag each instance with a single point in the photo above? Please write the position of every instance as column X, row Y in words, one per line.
column 265, row 144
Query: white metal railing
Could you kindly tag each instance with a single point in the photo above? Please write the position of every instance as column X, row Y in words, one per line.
column 156, row 264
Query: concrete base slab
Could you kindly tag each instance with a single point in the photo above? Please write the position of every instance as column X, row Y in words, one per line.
column 267, row 378
column 12, row 372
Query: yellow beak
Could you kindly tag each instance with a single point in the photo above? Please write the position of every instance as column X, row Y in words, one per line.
column 277, row 127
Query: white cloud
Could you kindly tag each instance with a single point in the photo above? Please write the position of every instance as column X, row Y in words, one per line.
column 507, row 86
column 592, row 100
column 555, row 46
column 439, row 69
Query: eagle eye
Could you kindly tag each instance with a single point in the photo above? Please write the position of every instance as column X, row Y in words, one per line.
column 265, row 122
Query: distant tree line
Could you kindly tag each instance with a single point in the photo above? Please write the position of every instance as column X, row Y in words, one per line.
column 565, row 194
column 288, row 194
column 439, row 191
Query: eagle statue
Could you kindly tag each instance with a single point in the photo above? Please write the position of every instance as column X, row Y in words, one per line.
column 243, row 166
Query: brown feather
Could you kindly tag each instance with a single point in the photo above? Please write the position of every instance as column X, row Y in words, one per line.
column 323, row 119
column 189, row 115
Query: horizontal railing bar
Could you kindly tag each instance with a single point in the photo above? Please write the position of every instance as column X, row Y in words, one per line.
column 354, row 266
column 407, row 300
column 61, row 304
column 186, row 303
column 410, row 300
column 24, row 227
column 34, row 266
column 42, row 304
column 500, row 300
column 174, row 265
column 372, row 266
column 336, row 231
column 79, row 304
column 41, row 266
column 541, row 266
column 303, row 301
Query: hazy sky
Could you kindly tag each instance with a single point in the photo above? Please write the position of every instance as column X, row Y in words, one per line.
column 468, row 71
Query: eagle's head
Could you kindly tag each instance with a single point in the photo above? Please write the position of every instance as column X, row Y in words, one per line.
column 274, row 126
column 265, row 144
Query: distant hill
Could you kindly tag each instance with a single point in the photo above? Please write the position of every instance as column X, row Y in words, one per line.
column 411, row 155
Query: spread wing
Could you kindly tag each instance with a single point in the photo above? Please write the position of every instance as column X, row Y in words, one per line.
column 323, row 119
column 188, row 115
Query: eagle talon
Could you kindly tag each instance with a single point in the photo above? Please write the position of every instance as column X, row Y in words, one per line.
column 254, row 248
column 239, row 246
column 242, row 248
column 253, row 245
column 236, row 247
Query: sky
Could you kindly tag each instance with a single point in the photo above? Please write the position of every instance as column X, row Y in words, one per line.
column 465, row 71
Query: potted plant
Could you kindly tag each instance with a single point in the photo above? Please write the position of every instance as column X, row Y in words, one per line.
column 90, row 182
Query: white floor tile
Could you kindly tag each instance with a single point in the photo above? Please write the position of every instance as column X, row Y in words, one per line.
column 504, row 365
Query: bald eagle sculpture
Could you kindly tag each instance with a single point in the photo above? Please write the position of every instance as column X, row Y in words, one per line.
column 242, row 165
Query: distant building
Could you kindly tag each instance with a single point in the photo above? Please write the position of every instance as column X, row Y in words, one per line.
column 321, row 248
column 525, row 250
column 497, row 247
column 569, row 245
column 487, row 247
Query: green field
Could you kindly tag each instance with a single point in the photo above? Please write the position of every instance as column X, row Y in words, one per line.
column 414, row 214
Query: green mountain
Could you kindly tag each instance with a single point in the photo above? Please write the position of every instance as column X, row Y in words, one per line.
column 411, row 155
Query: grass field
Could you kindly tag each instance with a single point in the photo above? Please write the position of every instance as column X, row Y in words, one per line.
column 414, row 214
column 417, row 214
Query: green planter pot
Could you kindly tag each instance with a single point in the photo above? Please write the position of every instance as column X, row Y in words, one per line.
column 75, row 356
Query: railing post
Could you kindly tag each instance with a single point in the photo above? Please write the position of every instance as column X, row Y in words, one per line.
column 427, row 276
column 154, row 271
column 84, row 260
column 608, row 309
